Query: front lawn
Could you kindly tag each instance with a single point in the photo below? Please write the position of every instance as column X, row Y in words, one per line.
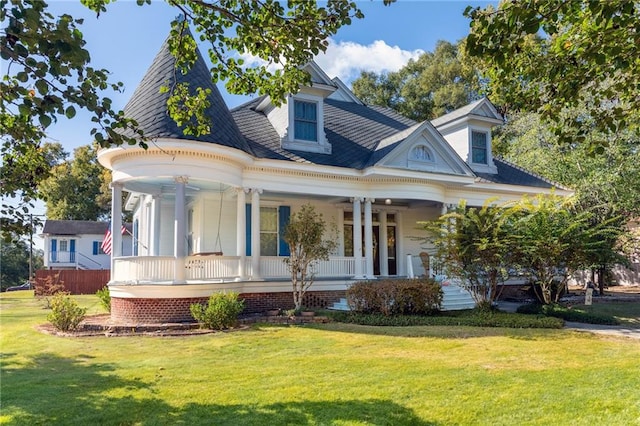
column 330, row 374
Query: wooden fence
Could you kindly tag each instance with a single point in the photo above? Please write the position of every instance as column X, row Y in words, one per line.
column 77, row 281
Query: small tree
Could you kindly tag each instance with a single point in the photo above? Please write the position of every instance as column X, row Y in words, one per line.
column 476, row 246
column 555, row 241
column 304, row 234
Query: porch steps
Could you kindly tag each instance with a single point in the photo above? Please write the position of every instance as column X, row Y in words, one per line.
column 454, row 299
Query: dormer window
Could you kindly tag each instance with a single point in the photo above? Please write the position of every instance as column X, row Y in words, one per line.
column 479, row 146
column 305, row 116
column 304, row 129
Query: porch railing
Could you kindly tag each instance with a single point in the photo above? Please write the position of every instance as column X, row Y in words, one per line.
column 152, row 269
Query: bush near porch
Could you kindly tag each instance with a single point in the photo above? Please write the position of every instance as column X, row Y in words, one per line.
column 422, row 296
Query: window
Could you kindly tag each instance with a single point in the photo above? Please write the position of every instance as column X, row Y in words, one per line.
column 64, row 245
column 268, row 231
column 305, row 120
column 479, row 147
column 97, row 248
column 421, row 153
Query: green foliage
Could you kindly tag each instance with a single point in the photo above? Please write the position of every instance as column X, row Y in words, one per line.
column 221, row 311
column 15, row 263
column 476, row 246
column 105, row 298
column 65, row 313
column 467, row 318
column 433, row 85
column 556, row 240
column 568, row 314
column 87, row 200
column 422, row 296
column 304, row 234
column 550, row 56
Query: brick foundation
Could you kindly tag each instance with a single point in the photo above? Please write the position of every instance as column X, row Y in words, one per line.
column 175, row 310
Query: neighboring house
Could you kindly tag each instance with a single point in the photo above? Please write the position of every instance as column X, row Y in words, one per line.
column 76, row 244
column 209, row 211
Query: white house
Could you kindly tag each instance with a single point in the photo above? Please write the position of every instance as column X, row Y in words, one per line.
column 209, row 211
column 76, row 244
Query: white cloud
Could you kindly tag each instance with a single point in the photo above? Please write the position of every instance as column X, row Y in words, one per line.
column 345, row 60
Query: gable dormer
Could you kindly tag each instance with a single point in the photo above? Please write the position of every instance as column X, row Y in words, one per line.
column 300, row 119
column 468, row 131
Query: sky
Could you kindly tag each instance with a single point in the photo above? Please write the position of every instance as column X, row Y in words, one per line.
column 126, row 38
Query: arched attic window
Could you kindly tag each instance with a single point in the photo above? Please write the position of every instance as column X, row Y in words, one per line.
column 422, row 153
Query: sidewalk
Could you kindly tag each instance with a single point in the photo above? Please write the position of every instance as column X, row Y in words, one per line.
column 612, row 330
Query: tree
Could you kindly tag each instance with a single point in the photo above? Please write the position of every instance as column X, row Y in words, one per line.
column 434, row 84
column 477, row 246
column 551, row 56
column 15, row 263
column 24, row 166
column 555, row 240
column 304, row 234
column 49, row 73
column 74, row 189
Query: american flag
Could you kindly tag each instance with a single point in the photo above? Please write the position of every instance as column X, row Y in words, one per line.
column 106, row 241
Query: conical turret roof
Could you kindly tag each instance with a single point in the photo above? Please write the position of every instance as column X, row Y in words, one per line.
column 148, row 106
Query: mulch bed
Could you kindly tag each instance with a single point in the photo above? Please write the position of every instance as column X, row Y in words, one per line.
column 101, row 325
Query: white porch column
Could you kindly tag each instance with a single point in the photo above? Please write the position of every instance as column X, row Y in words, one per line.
column 116, row 222
column 155, row 224
column 241, row 232
column 357, row 237
column 400, row 265
column 382, row 244
column 368, row 238
column 179, row 231
column 255, row 233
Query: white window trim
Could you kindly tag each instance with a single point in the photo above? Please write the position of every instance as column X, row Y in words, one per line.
column 321, row 146
column 489, row 167
column 420, row 164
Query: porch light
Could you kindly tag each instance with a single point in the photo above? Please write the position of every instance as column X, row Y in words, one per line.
column 387, row 201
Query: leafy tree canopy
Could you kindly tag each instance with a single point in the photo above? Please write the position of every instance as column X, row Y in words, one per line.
column 436, row 83
column 75, row 190
column 549, row 56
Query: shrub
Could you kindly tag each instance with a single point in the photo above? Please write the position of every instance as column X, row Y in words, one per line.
column 421, row 296
column 105, row 298
column 568, row 314
column 466, row 318
column 221, row 311
column 65, row 313
column 47, row 287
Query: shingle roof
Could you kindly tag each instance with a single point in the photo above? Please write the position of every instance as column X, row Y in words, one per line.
column 353, row 130
column 511, row 174
column 149, row 107
column 76, row 227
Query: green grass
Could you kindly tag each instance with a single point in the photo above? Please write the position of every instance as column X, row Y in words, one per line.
column 331, row 374
column 628, row 313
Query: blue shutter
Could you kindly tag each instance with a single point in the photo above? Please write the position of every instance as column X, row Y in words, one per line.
column 96, row 248
column 284, row 212
column 72, row 250
column 54, row 250
column 248, row 228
